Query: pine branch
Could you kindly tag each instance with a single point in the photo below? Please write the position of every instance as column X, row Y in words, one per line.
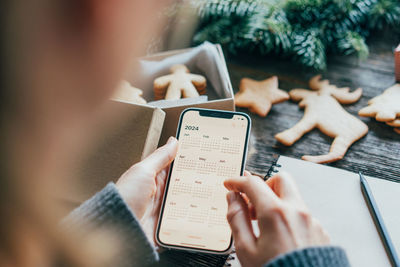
column 223, row 31
column 215, row 31
column 353, row 43
column 303, row 29
column 268, row 30
column 215, row 9
column 385, row 12
column 309, row 50
column 265, row 30
column 334, row 18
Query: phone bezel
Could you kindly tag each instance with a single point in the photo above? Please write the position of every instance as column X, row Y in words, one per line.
column 207, row 113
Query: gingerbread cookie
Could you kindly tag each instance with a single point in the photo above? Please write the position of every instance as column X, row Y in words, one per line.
column 179, row 83
column 127, row 92
column 323, row 111
column 259, row 96
column 384, row 107
column 394, row 123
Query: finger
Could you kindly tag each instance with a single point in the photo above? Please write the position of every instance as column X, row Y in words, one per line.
column 245, row 198
column 162, row 157
column 250, row 206
column 252, row 211
column 320, row 236
column 160, row 188
column 160, row 184
column 325, row 240
column 239, row 219
column 284, row 186
column 258, row 192
column 162, row 177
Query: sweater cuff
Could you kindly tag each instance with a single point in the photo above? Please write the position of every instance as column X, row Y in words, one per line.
column 324, row 256
column 107, row 210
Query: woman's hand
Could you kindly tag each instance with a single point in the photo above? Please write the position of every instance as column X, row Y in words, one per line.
column 142, row 186
column 285, row 222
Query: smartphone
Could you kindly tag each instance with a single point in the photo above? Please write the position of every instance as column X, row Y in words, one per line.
column 212, row 147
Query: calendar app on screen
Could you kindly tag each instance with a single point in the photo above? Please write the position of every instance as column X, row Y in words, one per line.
column 211, row 149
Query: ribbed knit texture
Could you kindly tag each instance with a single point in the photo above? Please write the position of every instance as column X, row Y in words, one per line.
column 107, row 210
column 327, row 256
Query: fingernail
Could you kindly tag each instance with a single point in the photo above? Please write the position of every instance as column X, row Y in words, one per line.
column 171, row 139
column 231, row 197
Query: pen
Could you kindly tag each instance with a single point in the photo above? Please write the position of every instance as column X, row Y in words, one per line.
column 390, row 249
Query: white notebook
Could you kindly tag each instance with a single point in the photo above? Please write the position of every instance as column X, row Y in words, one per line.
column 334, row 197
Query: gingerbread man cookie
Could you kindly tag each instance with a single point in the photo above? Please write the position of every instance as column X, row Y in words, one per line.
column 259, row 96
column 127, row 92
column 179, row 83
column 384, row 107
column 323, row 111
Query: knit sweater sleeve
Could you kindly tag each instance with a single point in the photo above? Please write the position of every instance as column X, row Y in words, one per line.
column 107, row 210
column 324, row 256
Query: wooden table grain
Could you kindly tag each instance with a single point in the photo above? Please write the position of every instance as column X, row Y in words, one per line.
column 377, row 154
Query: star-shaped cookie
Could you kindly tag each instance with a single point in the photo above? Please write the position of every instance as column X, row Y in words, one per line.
column 259, row 96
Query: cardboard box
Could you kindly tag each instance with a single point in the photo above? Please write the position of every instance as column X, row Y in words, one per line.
column 219, row 87
column 128, row 139
column 145, row 127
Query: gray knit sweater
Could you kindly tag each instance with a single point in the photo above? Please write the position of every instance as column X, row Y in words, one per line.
column 107, row 209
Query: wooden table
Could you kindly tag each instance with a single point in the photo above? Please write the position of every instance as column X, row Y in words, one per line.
column 377, row 154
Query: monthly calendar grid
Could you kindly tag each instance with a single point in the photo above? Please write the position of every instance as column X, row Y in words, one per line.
column 208, row 168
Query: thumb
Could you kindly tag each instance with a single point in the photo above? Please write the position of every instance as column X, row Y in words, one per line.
column 239, row 219
column 285, row 187
column 162, row 157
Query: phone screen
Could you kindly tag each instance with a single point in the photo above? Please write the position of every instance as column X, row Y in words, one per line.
column 212, row 147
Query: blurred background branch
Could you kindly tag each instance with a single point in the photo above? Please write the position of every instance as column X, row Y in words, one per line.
column 304, row 31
